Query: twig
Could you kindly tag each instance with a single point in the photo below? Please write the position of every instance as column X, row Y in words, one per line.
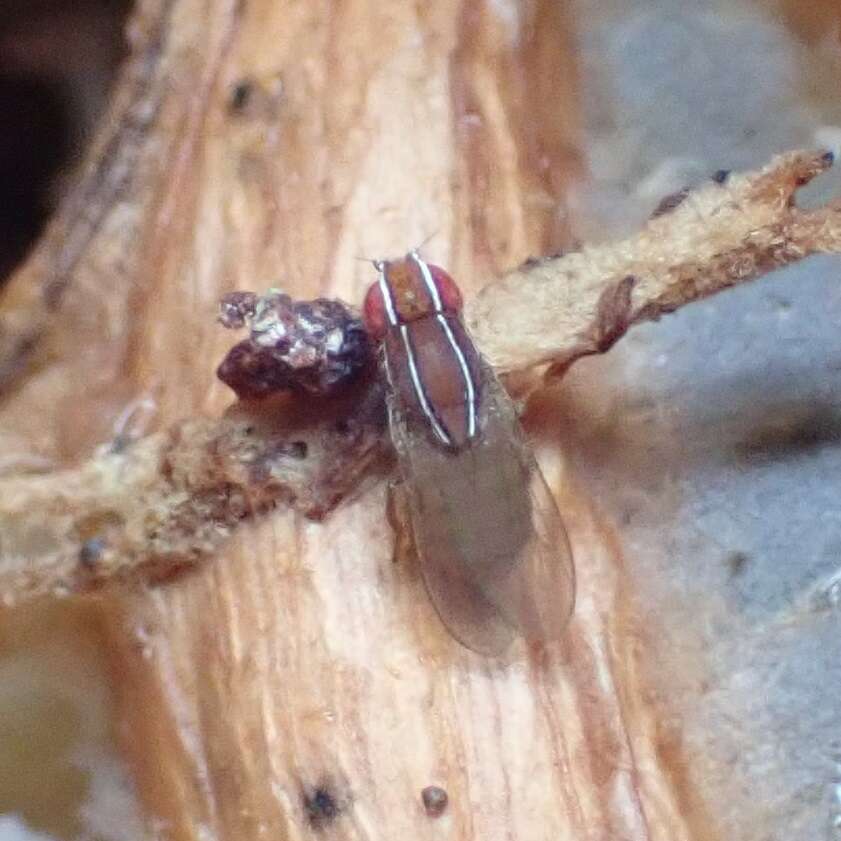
column 169, row 500
column 560, row 309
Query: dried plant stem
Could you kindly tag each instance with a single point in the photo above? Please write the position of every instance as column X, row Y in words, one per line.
column 559, row 309
column 172, row 498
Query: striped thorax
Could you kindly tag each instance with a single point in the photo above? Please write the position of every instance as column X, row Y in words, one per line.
column 414, row 309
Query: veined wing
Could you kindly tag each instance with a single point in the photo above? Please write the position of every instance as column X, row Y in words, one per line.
column 493, row 548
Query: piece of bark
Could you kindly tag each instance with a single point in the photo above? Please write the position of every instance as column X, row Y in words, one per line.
column 146, row 511
column 298, row 684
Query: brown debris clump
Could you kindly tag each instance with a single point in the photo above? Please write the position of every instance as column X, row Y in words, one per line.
column 312, row 347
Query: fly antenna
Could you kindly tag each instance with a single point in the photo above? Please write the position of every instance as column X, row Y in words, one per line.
column 426, row 239
column 377, row 264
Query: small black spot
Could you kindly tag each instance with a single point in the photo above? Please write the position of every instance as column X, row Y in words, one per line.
column 297, row 449
column 828, row 158
column 120, row 444
column 434, row 801
column 91, row 551
column 343, row 427
column 669, row 203
column 736, row 563
column 321, row 807
column 720, row 176
column 240, row 95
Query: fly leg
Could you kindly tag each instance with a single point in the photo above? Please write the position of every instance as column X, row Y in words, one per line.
column 397, row 513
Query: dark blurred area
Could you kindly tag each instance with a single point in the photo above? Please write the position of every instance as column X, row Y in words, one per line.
column 58, row 59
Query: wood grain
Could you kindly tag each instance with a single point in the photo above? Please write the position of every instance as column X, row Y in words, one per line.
column 300, row 685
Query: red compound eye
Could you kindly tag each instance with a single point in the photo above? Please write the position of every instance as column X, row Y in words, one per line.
column 450, row 295
column 373, row 312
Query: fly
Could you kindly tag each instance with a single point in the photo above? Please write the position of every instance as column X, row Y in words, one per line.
column 492, row 546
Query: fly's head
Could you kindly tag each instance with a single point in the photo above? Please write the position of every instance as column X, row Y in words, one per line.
column 406, row 290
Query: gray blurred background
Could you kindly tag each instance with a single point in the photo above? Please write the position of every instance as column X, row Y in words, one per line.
column 713, row 437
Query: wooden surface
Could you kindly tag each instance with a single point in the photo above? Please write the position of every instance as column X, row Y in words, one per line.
column 300, row 685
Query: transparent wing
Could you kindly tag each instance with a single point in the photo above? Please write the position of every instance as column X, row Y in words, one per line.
column 492, row 545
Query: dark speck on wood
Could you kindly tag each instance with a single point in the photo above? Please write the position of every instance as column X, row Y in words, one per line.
column 321, row 807
column 434, row 801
